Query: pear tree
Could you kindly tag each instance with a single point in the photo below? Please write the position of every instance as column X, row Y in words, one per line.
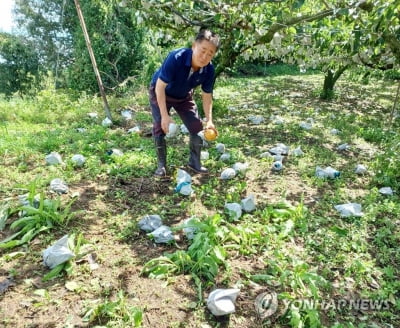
column 331, row 36
column 366, row 36
column 245, row 26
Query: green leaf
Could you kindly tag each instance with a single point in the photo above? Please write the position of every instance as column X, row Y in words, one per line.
column 68, row 268
column 281, row 212
column 340, row 231
column 199, row 286
column 138, row 317
column 10, row 244
column 14, row 255
column 10, row 238
column 210, row 267
column 4, row 214
column 298, row 4
column 291, row 30
column 295, row 318
column 22, row 221
column 343, row 11
column 287, row 228
column 219, row 253
column 234, row 236
column 160, row 268
column 261, row 277
column 54, row 272
column 29, row 235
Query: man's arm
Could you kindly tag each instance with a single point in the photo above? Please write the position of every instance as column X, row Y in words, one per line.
column 162, row 104
column 207, row 107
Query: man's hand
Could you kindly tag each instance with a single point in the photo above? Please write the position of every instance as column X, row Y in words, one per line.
column 210, row 125
column 165, row 121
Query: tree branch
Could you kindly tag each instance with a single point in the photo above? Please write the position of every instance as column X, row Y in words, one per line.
column 393, row 43
column 275, row 27
column 373, row 65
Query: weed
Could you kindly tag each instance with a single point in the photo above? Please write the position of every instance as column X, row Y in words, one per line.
column 202, row 259
column 36, row 215
column 116, row 313
column 75, row 242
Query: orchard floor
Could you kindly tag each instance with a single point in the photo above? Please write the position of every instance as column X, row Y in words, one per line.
column 110, row 206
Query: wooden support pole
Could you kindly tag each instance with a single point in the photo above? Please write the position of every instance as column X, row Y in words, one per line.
column 93, row 59
column 395, row 103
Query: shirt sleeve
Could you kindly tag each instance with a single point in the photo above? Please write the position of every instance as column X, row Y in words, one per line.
column 208, row 85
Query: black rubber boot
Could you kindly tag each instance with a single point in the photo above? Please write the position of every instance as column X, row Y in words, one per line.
column 161, row 149
column 195, row 151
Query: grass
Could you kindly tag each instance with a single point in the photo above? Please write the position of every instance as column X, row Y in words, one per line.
column 294, row 243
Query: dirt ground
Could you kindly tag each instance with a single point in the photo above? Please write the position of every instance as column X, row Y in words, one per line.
column 169, row 303
column 165, row 303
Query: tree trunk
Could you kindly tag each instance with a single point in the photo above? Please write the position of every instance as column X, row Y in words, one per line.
column 327, row 91
column 228, row 60
column 330, row 80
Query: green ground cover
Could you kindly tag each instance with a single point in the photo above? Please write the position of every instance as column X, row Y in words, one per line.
column 325, row 270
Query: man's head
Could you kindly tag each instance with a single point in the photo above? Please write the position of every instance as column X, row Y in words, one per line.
column 209, row 36
column 204, row 48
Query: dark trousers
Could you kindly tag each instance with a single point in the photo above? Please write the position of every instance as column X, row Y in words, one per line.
column 186, row 109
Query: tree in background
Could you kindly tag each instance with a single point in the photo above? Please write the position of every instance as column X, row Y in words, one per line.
column 117, row 43
column 19, row 65
column 49, row 26
column 54, row 28
column 246, row 27
column 320, row 34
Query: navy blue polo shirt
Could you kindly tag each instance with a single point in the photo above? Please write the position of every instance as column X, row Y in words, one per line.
column 176, row 72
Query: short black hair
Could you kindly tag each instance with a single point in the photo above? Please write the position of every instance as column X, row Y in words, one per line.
column 205, row 34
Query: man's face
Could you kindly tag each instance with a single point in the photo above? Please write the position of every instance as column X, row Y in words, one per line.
column 203, row 52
